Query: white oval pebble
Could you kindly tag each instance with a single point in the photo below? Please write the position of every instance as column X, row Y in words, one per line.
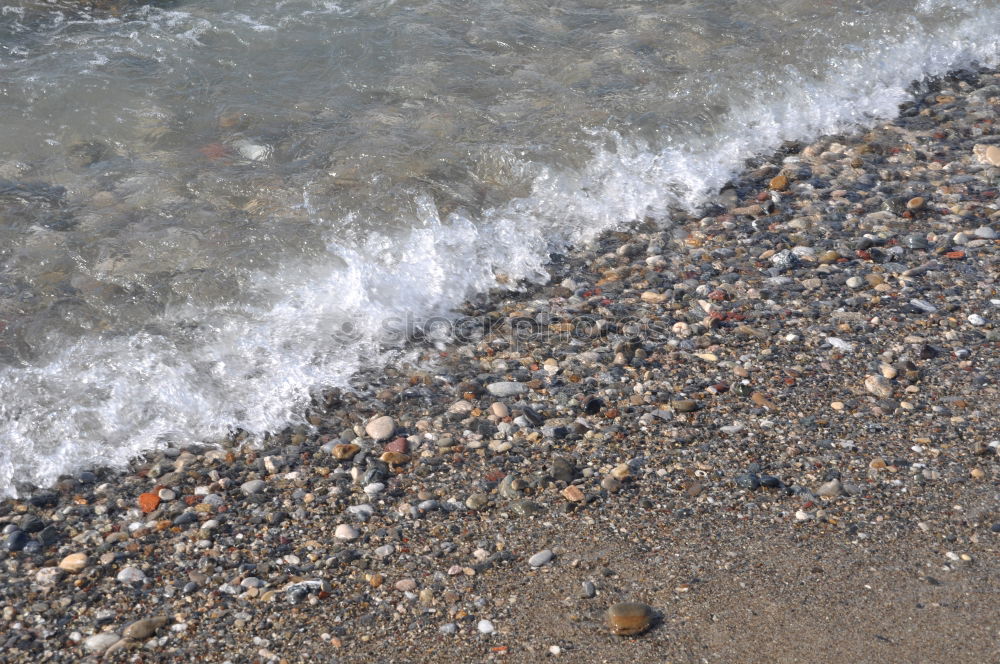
column 131, row 575
column 485, row 627
column 346, row 531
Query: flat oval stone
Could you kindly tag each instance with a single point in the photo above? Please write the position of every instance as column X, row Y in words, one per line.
column 540, row 558
column 684, row 405
column 629, row 618
column 98, row 643
column 344, row 451
column 381, row 428
column 346, row 532
column 143, row 629
column 74, row 562
column 507, row 388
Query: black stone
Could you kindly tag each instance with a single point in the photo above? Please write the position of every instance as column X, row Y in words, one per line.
column 771, row 482
column 31, row 523
column 48, row 536
column 16, row 541
column 748, row 481
column 44, row 500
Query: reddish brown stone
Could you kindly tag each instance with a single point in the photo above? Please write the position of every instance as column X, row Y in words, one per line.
column 149, row 502
column 400, row 445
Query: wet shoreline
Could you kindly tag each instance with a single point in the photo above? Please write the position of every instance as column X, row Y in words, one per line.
column 748, row 407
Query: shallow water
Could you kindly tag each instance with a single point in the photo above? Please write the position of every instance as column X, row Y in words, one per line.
column 208, row 208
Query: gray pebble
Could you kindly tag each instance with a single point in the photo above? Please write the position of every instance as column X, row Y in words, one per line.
column 541, row 558
column 507, row 389
column 252, row 487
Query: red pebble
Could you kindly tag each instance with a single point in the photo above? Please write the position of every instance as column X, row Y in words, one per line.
column 400, row 445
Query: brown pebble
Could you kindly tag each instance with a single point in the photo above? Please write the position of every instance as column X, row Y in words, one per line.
column 395, row 458
column 684, row 405
column 915, row 203
column 74, row 562
column 779, row 183
column 573, row 494
column 629, row 618
column 345, row 451
column 762, row 401
column 143, row 629
column 828, row 257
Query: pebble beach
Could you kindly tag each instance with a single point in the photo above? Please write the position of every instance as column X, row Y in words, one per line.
column 766, row 431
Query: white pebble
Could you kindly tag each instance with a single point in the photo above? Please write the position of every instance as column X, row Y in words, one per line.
column 485, row 627
column 347, row 532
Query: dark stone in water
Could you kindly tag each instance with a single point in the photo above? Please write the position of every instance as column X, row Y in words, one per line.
column 592, row 405
column 895, row 205
column 16, row 541
column 44, row 500
column 31, row 523
column 38, row 192
column 48, row 536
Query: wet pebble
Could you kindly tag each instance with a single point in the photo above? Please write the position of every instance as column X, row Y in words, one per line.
column 629, row 618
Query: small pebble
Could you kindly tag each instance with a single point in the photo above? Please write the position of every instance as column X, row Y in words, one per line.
column 346, row 532
column 629, row 618
column 541, row 558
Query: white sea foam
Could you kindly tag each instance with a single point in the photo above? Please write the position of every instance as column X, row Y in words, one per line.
column 194, row 374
